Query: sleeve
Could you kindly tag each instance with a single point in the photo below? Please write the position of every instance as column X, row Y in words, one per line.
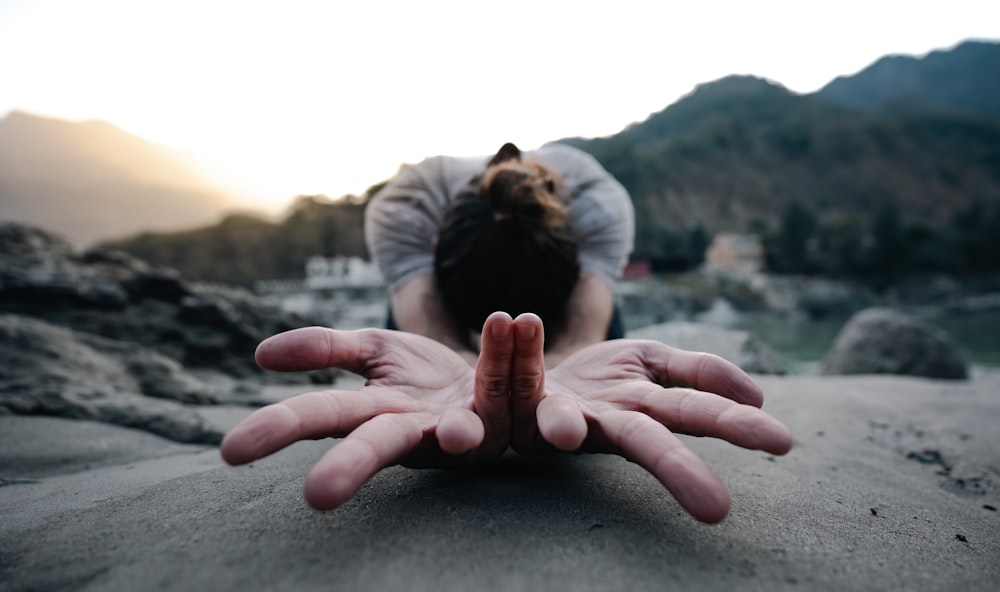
column 600, row 212
column 403, row 218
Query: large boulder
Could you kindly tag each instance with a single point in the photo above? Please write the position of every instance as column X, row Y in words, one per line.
column 51, row 370
column 886, row 341
column 739, row 347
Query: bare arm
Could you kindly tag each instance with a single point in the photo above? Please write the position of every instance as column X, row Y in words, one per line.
column 588, row 315
column 418, row 309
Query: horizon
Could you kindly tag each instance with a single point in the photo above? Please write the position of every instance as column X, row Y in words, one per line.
column 285, row 94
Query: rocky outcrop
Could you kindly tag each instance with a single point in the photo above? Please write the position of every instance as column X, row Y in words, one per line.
column 885, row 341
column 50, row 370
column 113, row 295
column 104, row 336
column 739, row 347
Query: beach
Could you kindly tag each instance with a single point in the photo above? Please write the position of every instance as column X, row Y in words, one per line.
column 893, row 484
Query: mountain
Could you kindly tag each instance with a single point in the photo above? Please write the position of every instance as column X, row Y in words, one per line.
column 965, row 79
column 91, row 180
column 831, row 187
column 715, row 113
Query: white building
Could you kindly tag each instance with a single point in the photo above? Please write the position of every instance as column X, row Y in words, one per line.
column 341, row 292
column 327, row 273
column 735, row 253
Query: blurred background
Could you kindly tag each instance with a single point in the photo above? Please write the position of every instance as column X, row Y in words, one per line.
column 790, row 163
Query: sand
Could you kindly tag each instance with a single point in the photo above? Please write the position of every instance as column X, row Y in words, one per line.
column 893, row 484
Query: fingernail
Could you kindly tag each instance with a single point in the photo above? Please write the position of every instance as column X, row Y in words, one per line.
column 501, row 330
column 526, row 331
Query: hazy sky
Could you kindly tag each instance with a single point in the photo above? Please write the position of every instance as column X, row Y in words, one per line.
column 330, row 97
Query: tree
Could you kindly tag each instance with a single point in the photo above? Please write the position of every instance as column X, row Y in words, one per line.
column 790, row 250
column 889, row 254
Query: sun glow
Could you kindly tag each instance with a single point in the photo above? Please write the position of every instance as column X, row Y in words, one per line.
column 300, row 97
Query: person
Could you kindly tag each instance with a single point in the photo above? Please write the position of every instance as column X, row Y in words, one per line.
column 459, row 240
column 545, row 232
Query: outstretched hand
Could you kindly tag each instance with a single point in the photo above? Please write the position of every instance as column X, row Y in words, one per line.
column 629, row 397
column 424, row 406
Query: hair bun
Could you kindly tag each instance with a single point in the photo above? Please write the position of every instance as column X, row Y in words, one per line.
column 514, row 189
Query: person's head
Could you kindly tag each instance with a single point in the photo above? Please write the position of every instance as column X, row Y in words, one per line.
column 505, row 245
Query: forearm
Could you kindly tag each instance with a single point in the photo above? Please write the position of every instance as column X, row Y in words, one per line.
column 417, row 309
column 588, row 314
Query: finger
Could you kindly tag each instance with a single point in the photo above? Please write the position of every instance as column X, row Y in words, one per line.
column 308, row 416
column 647, row 443
column 561, row 422
column 377, row 444
column 459, row 430
column 492, row 384
column 527, row 379
column 313, row 348
column 706, row 414
column 701, row 371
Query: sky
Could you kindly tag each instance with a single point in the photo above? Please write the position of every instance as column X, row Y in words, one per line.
column 291, row 97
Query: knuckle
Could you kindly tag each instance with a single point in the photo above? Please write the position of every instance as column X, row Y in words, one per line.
column 635, row 426
column 493, row 385
column 527, row 384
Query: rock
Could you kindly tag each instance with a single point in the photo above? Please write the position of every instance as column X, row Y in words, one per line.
column 885, row 341
column 106, row 337
column 50, row 370
column 739, row 347
column 720, row 313
column 119, row 297
column 813, row 297
column 156, row 375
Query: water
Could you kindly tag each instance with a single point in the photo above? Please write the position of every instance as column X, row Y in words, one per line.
column 803, row 343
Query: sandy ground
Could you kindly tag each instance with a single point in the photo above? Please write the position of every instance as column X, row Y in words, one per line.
column 893, row 484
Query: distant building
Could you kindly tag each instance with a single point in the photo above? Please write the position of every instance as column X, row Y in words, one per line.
column 342, row 292
column 735, row 253
column 325, row 273
column 637, row 269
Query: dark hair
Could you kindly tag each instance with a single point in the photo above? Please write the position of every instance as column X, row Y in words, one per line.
column 505, row 245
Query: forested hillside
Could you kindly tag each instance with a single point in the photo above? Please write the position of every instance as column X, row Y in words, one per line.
column 243, row 248
column 831, row 189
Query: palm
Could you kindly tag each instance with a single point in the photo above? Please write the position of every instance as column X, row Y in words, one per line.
column 421, row 372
